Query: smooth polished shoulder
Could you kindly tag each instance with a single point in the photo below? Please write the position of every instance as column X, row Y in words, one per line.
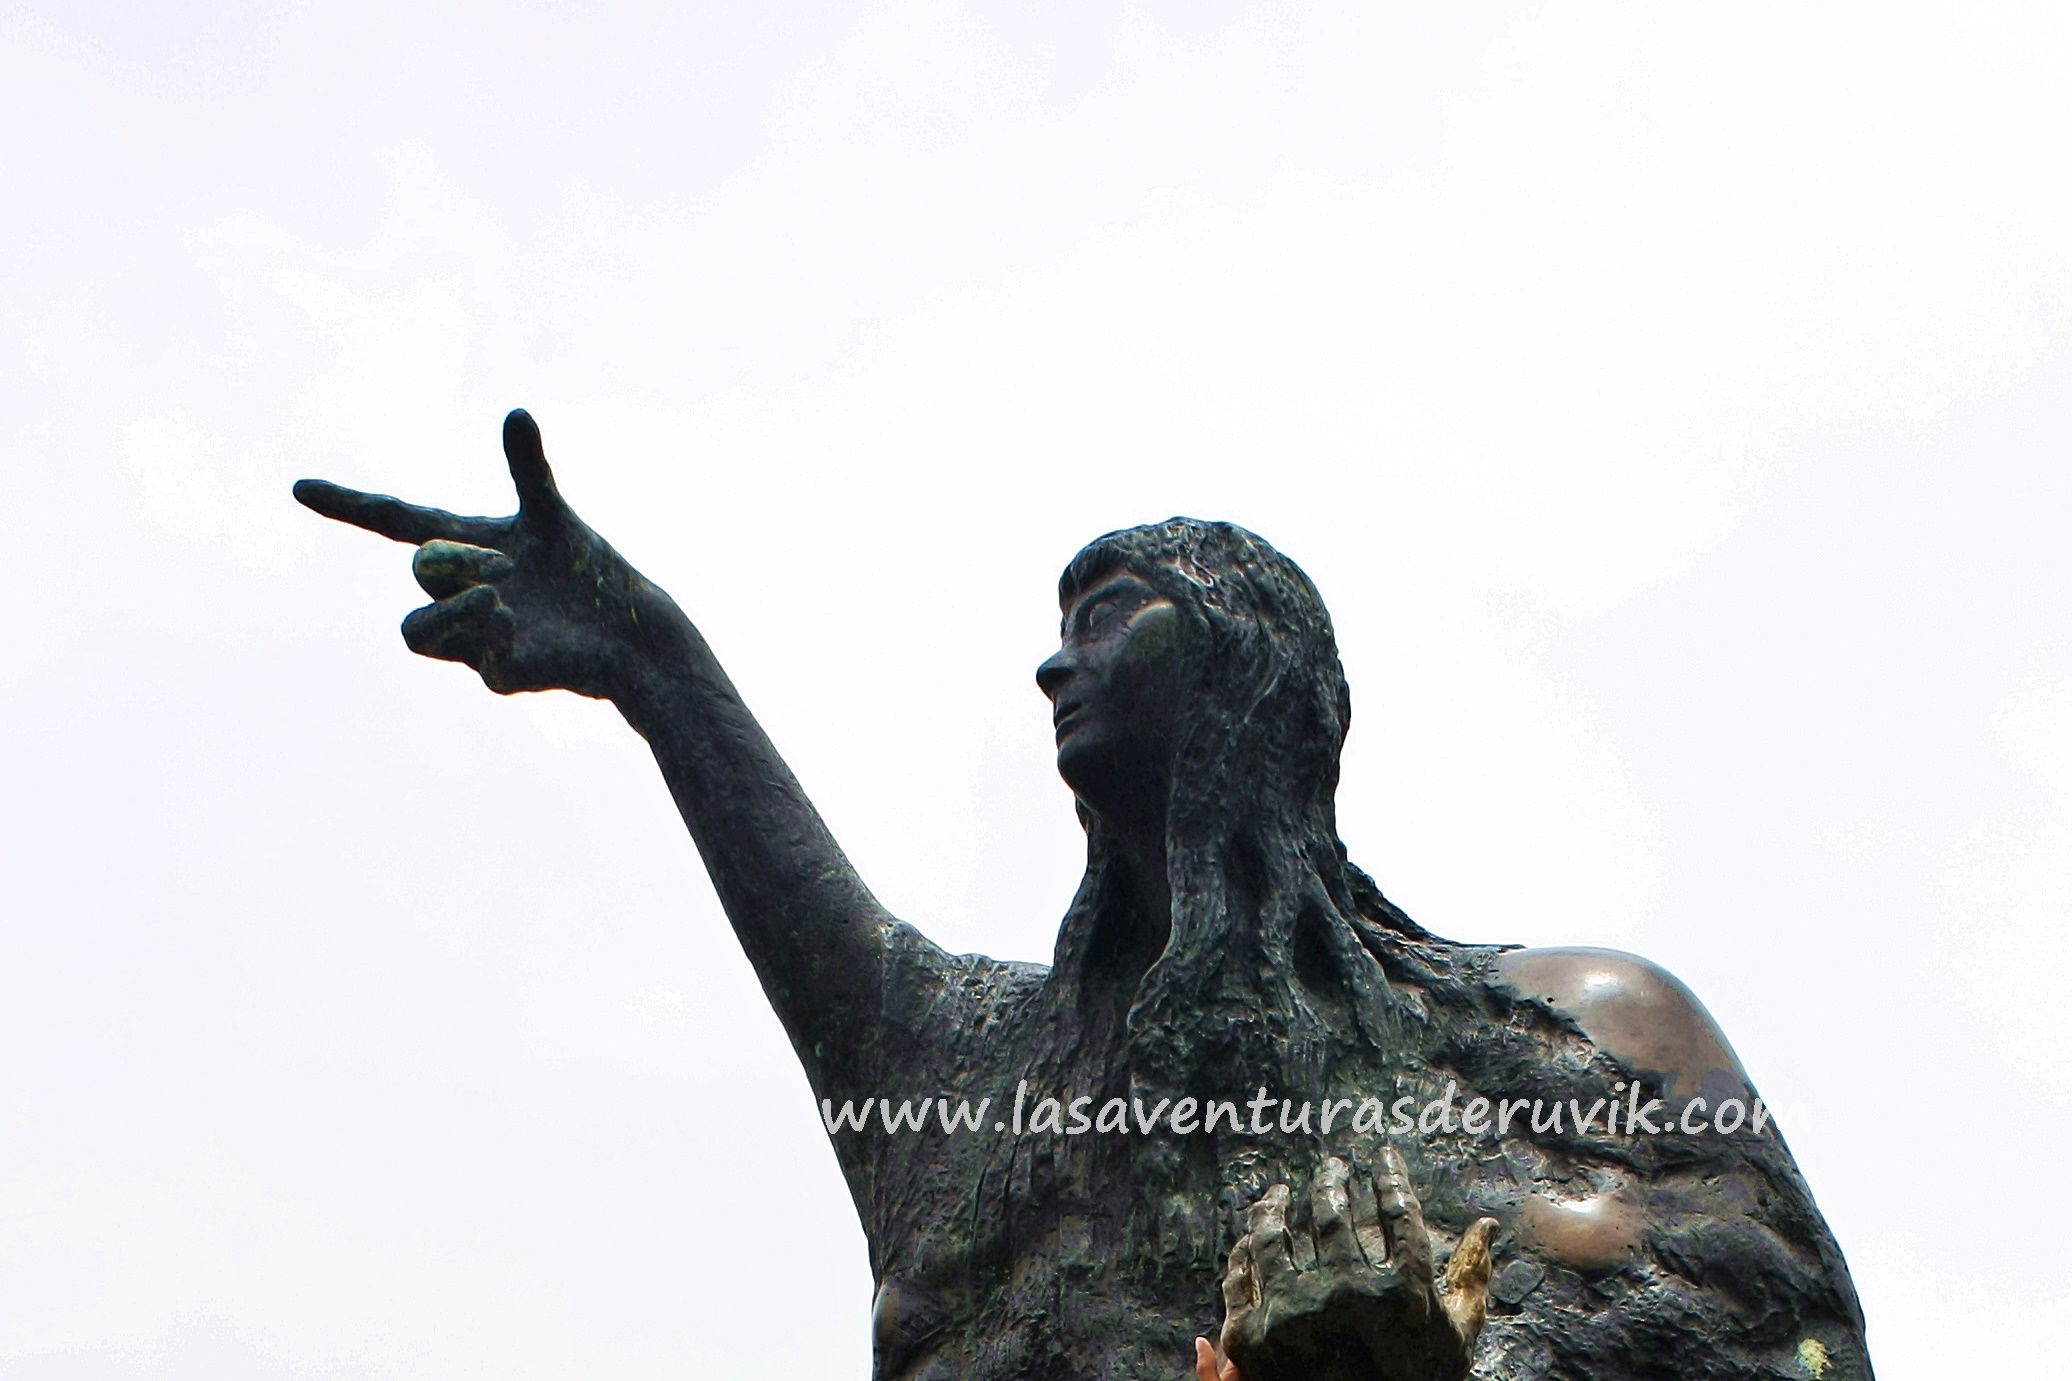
column 1635, row 1011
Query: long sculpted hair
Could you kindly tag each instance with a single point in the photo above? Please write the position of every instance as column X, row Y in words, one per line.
column 1255, row 868
column 1273, row 966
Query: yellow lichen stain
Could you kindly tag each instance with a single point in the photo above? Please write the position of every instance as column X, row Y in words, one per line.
column 1813, row 1357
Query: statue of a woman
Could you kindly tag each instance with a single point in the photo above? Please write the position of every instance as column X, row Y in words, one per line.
column 1221, row 950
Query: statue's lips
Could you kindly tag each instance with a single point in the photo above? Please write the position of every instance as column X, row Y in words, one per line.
column 1061, row 722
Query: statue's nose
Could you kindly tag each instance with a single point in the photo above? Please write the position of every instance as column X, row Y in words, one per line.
column 1053, row 673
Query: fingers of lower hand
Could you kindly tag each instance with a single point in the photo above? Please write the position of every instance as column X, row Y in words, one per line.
column 1367, row 1227
column 1469, row 1266
column 1266, row 1224
column 1467, row 1280
column 1330, row 1207
column 1402, row 1217
column 1240, row 1282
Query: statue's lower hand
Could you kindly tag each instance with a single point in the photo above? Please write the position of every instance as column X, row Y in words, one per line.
column 1363, row 1305
column 535, row 601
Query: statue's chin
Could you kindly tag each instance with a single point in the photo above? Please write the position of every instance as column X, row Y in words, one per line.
column 1112, row 782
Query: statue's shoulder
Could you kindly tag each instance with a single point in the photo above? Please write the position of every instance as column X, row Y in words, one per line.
column 1634, row 1010
column 1720, row 1213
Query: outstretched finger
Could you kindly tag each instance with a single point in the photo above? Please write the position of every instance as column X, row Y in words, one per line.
column 392, row 518
column 527, row 456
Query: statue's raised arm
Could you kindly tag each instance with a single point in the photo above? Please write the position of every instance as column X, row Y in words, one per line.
column 538, row 601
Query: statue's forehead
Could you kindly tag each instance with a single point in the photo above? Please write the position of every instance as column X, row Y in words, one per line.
column 1102, row 561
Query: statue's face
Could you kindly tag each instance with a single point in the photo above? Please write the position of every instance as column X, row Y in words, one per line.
column 1115, row 689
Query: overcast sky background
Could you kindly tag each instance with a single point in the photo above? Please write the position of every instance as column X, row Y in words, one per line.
column 1671, row 402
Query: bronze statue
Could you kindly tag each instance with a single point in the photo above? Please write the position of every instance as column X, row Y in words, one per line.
column 1221, row 949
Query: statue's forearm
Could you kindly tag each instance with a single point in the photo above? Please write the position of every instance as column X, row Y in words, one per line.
column 813, row 931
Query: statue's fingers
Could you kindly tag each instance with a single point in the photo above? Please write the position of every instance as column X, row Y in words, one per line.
column 527, row 456
column 444, row 569
column 1368, row 1231
column 474, row 628
column 1240, row 1281
column 392, row 518
column 1467, row 1279
column 1470, row 1265
column 1266, row 1224
column 1240, row 1298
column 1410, row 1246
column 1330, row 1207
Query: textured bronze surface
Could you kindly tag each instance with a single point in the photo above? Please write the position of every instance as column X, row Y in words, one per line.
column 1220, row 944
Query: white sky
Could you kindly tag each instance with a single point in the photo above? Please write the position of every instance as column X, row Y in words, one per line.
column 1671, row 402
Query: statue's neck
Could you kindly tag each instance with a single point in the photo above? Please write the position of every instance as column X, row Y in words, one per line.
column 1147, row 882
column 1133, row 922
